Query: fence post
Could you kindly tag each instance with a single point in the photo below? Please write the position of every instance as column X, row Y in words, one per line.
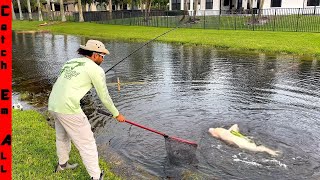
column 275, row 19
column 122, row 20
column 167, row 19
column 253, row 20
column 235, row 21
column 297, row 26
column 219, row 19
column 204, row 19
column 157, row 16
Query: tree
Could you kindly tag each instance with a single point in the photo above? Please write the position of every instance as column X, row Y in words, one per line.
column 250, row 2
column 63, row 16
column 195, row 8
column 260, row 8
column 80, row 11
column 49, row 10
column 110, row 9
column 160, row 4
column 29, row 10
column 107, row 5
column 89, row 2
column 39, row 11
column 13, row 14
column 142, row 2
column 147, row 9
column 20, row 12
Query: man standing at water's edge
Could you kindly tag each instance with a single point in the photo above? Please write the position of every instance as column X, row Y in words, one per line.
column 77, row 77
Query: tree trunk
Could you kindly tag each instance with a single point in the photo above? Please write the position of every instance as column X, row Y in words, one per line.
column 110, row 9
column 145, row 10
column 142, row 5
column 29, row 10
column 63, row 16
column 80, row 11
column 186, row 5
column 250, row 2
column 13, row 14
column 149, row 8
column 39, row 11
column 49, row 10
column 260, row 8
column 195, row 8
column 20, row 12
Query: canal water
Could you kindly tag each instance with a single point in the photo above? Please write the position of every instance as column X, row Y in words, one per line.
column 183, row 91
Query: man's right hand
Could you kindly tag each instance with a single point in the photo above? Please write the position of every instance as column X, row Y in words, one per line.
column 121, row 118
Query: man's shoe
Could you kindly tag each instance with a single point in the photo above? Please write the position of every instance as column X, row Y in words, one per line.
column 65, row 166
column 101, row 176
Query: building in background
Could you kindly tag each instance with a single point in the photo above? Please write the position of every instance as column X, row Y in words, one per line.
column 240, row 4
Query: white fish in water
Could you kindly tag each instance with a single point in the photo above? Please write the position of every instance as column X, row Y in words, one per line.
column 233, row 137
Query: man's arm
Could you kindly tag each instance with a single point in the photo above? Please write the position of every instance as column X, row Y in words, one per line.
column 99, row 82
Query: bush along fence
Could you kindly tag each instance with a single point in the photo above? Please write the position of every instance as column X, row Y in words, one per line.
column 280, row 19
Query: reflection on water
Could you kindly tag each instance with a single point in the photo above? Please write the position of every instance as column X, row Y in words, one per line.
column 274, row 98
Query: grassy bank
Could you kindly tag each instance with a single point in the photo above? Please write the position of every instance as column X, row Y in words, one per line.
column 34, row 152
column 299, row 43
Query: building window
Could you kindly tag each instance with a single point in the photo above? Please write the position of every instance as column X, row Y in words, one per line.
column 176, row 4
column 313, row 3
column 275, row 3
column 226, row 2
column 209, row 4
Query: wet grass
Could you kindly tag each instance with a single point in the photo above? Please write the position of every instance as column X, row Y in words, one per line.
column 299, row 43
column 34, row 152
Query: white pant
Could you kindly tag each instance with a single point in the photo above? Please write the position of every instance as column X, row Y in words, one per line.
column 77, row 128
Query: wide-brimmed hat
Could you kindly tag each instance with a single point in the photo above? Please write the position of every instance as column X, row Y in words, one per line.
column 94, row 45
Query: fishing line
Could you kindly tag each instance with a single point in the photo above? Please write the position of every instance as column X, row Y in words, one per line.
column 147, row 44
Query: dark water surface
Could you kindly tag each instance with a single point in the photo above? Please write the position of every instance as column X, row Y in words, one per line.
column 183, row 91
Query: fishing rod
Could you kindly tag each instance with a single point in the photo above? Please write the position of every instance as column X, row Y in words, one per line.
column 142, row 47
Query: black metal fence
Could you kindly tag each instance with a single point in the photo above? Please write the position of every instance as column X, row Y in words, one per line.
column 135, row 18
column 293, row 19
column 52, row 16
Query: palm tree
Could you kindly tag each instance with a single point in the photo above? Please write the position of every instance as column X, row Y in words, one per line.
column 260, row 8
column 132, row 3
column 49, row 10
column 29, row 10
column 39, row 10
column 80, row 11
column 110, row 9
column 149, row 3
column 195, row 8
column 142, row 2
column 250, row 2
column 20, row 12
column 147, row 10
column 63, row 16
column 13, row 14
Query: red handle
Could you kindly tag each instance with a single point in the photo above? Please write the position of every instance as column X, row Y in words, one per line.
column 143, row 127
column 152, row 130
column 155, row 131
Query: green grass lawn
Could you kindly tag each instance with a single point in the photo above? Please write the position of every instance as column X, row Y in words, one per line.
column 34, row 151
column 299, row 43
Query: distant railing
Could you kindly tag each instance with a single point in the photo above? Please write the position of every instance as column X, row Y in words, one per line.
column 277, row 19
column 47, row 17
column 135, row 18
column 293, row 19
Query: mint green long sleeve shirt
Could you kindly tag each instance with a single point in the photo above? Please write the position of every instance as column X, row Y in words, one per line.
column 77, row 77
